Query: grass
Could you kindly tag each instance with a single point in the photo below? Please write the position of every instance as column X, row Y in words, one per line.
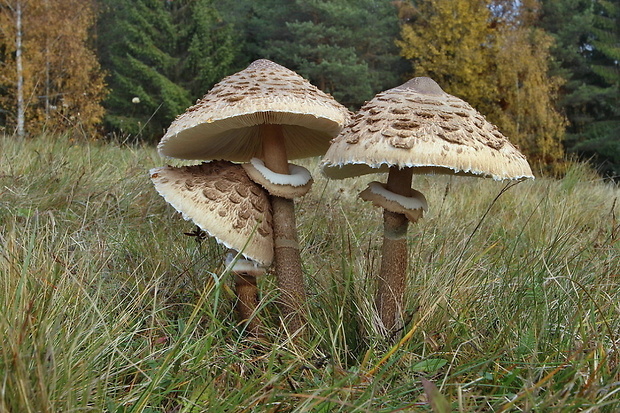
column 105, row 305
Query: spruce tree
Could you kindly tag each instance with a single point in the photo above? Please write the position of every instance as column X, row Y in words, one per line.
column 344, row 47
column 588, row 57
column 136, row 41
column 205, row 46
column 160, row 57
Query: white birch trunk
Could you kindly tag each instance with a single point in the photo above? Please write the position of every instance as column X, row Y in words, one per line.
column 21, row 132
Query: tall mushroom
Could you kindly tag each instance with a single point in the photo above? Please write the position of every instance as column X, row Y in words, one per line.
column 271, row 113
column 220, row 198
column 415, row 128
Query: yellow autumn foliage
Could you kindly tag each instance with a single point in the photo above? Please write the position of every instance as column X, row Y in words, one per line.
column 63, row 82
column 499, row 64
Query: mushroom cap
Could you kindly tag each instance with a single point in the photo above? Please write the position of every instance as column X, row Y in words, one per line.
column 220, row 198
column 224, row 124
column 420, row 126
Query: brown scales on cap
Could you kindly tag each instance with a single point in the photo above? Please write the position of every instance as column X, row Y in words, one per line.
column 224, row 124
column 220, row 198
column 418, row 125
column 416, row 128
column 269, row 112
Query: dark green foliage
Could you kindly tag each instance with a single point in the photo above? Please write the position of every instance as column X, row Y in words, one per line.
column 344, row 47
column 606, row 41
column 205, row 45
column 602, row 144
column 587, row 55
column 169, row 53
column 160, row 56
column 135, row 50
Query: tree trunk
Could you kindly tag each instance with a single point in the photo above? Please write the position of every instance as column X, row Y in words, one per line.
column 21, row 132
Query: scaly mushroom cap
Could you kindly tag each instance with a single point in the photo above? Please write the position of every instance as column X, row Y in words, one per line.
column 220, row 198
column 224, row 123
column 418, row 125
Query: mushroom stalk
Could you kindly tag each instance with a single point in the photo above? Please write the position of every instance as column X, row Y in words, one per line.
column 395, row 257
column 245, row 272
column 247, row 302
column 286, row 245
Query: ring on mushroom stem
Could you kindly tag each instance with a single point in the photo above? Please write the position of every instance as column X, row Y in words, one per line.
column 239, row 265
column 297, row 176
column 411, row 206
column 291, row 186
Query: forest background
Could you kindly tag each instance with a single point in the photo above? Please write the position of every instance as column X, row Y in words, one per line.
column 547, row 72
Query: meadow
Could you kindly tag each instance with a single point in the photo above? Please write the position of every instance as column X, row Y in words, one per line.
column 106, row 305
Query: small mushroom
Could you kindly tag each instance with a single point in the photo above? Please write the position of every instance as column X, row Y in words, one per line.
column 269, row 112
column 220, row 198
column 415, row 128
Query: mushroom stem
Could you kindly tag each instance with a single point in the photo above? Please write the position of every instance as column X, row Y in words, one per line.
column 245, row 272
column 287, row 258
column 247, row 302
column 395, row 257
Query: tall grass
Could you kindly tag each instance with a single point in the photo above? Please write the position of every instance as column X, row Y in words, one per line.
column 105, row 305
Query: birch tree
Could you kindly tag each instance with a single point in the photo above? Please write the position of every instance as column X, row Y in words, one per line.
column 50, row 79
column 12, row 19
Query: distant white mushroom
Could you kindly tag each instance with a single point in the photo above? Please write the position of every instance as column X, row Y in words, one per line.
column 415, row 128
column 135, row 100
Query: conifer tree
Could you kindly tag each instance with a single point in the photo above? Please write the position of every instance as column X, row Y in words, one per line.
column 344, row 47
column 587, row 55
column 160, row 57
column 206, row 47
column 136, row 40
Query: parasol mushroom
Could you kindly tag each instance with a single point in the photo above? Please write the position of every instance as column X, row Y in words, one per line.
column 220, row 198
column 415, row 128
column 268, row 112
